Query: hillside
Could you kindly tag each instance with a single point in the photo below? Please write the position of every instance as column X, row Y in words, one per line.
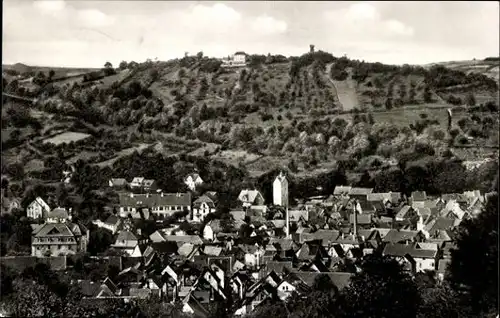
column 304, row 112
column 488, row 67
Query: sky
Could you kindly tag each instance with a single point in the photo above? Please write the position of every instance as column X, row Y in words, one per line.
column 89, row 33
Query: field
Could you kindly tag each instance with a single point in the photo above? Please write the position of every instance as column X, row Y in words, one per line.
column 66, row 137
column 123, row 153
column 236, row 157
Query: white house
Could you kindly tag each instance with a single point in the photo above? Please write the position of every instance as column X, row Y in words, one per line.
column 38, row 209
column 239, row 57
column 137, row 182
column 193, row 180
column 112, row 223
column 280, row 190
column 202, row 207
column 251, row 197
column 128, row 243
column 161, row 204
column 211, row 229
column 285, row 289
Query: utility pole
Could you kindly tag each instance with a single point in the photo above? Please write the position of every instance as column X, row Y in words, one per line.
column 355, row 231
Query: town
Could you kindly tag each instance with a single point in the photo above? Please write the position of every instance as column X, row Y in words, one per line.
column 261, row 248
column 249, row 159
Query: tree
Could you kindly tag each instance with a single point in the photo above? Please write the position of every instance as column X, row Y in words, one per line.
column 441, row 301
column 474, row 264
column 470, row 99
column 380, row 289
column 108, row 65
column 51, row 74
column 123, row 65
column 99, row 241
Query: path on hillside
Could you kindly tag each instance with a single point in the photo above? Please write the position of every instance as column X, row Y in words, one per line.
column 31, row 100
column 345, row 90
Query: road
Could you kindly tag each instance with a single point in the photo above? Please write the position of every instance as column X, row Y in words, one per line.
column 345, row 90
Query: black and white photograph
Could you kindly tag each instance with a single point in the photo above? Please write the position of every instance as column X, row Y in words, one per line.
column 250, row 159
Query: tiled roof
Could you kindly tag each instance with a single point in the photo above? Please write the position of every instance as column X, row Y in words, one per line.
column 126, row 236
column 248, row 195
column 361, row 219
column 193, row 239
column 402, row 213
column 341, row 190
column 396, row 236
column 155, row 199
column 212, row 250
column 439, row 224
column 55, row 230
column 58, row 213
column 238, row 215
column 418, row 196
column 118, row 181
column 397, row 249
column 278, row 267
column 112, row 220
column 360, row 191
column 204, row 199
column 339, row 279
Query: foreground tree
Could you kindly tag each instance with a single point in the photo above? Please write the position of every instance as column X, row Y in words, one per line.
column 381, row 289
column 474, row 264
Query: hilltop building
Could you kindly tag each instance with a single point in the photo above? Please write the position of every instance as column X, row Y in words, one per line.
column 238, row 59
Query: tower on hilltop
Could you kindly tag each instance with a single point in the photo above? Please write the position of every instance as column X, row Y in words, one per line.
column 311, row 48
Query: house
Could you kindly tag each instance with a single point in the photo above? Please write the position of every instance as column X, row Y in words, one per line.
column 202, row 207
column 361, row 195
column 291, row 284
column 9, row 204
column 253, row 255
column 237, row 59
column 191, row 306
column 402, row 236
column 112, row 223
column 137, row 182
column 418, row 257
column 240, row 57
column 59, row 238
column 417, row 197
column 119, row 183
column 362, row 220
column 426, row 256
column 161, row 205
column 405, row 212
column 280, row 190
column 211, row 230
column 453, row 209
column 58, row 215
column 251, row 197
column 341, row 190
column 192, row 181
column 401, row 253
column 38, row 209
column 128, row 243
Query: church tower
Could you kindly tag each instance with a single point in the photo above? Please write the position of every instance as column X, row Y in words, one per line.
column 280, row 197
column 280, row 190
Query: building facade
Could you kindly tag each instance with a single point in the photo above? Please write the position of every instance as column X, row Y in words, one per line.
column 38, row 209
